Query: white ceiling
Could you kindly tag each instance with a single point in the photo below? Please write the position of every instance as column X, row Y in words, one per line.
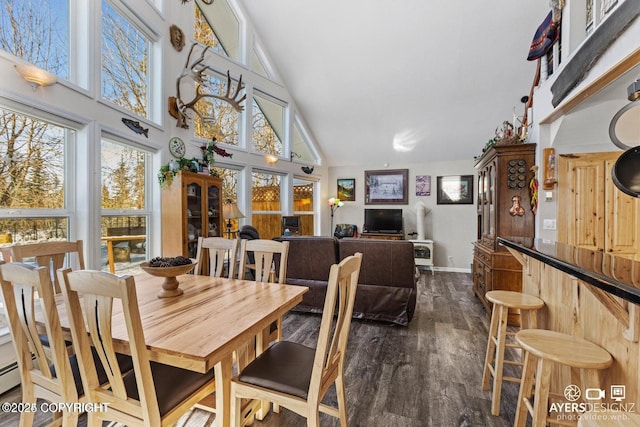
column 432, row 79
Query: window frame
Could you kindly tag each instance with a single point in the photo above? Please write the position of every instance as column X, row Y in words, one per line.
column 155, row 75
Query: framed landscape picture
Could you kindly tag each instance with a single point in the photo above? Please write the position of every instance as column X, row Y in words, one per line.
column 386, row 187
column 347, row 190
column 423, row 185
column 455, row 190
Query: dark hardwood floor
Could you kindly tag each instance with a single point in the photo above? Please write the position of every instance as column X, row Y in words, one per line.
column 426, row 374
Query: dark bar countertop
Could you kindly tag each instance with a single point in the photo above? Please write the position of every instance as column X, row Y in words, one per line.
column 614, row 274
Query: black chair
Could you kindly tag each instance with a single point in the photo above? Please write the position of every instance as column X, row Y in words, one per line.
column 249, row 232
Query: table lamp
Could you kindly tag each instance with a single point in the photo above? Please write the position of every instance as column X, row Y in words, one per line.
column 230, row 211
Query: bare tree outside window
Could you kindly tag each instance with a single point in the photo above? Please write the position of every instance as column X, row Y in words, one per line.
column 224, row 127
column 267, row 125
column 125, row 63
column 38, row 32
column 123, row 171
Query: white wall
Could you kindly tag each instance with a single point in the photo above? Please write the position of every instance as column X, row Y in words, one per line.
column 453, row 228
column 584, row 129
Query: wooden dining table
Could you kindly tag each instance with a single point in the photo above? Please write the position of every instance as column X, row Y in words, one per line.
column 200, row 329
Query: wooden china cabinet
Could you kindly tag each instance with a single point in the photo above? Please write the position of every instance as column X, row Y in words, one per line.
column 504, row 210
column 191, row 208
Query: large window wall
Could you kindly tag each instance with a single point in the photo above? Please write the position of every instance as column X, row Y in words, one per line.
column 115, row 73
column 267, row 127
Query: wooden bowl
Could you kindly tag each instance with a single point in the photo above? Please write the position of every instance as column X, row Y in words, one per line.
column 170, row 284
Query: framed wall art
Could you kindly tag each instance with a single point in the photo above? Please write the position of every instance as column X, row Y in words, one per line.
column 423, row 185
column 455, row 190
column 386, row 187
column 347, row 190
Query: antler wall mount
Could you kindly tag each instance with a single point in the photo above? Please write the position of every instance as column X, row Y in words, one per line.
column 195, row 71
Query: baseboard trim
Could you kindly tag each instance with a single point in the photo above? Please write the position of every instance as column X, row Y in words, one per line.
column 9, row 377
column 453, row 270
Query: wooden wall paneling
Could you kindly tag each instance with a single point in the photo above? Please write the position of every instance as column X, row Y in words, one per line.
column 573, row 307
column 623, row 218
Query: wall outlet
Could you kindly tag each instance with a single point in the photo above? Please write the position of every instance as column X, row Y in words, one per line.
column 549, row 224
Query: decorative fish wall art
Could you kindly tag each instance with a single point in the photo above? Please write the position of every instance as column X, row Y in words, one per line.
column 135, row 126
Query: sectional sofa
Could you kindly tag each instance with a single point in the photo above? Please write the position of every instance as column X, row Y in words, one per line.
column 387, row 284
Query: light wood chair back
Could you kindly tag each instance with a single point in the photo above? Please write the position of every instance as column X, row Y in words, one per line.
column 100, row 291
column 264, row 252
column 24, row 287
column 326, row 367
column 51, row 255
column 211, row 254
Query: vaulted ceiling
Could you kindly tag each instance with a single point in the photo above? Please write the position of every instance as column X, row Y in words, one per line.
column 404, row 81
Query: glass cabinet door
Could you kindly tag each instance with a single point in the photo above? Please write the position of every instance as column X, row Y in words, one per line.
column 492, row 202
column 213, row 213
column 485, row 204
column 195, row 216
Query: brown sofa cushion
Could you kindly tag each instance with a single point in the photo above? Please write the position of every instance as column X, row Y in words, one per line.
column 384, row 262
column 387, row 284
column 310, row 258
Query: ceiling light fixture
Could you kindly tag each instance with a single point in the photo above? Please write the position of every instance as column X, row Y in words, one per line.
column 36, row 76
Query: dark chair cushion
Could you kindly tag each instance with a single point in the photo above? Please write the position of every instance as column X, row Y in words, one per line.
column 44, row 339
column 285, row 367
column 173, row 385
column 124, row 361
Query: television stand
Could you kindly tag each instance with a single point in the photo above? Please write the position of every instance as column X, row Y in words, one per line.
column 383, row 236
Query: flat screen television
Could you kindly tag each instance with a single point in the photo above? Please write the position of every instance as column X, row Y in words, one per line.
column 383, row 221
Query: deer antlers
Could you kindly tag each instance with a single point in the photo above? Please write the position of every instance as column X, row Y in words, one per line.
column 196, row 72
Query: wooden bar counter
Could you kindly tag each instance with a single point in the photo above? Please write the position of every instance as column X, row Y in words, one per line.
column 592, row 295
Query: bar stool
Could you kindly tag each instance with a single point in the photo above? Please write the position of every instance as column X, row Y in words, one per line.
column 494, row 360
column 609, row 419
column 542, row 348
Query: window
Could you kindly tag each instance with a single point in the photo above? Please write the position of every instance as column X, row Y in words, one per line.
column 301, row 147
column 124, row 178
column 268, row 125
column 597, row 11
column 125, row 63
column 32, row 181
column 38, row 32
column 265, row 203
column 32, row 165
column 257, row 65
column 303, row 191
column 216, row 26
column 225, row 119
column 229, row 193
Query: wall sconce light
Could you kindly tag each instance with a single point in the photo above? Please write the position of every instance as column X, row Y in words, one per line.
column 293, row 153
column 36, row 76
column 271, row 159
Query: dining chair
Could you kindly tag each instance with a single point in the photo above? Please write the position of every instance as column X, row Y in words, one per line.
column 265, row 256
column 211, row 255
column 45, row 372
column 154, row 394
column 51, row 255
column 264, row 259
column 296, row 376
